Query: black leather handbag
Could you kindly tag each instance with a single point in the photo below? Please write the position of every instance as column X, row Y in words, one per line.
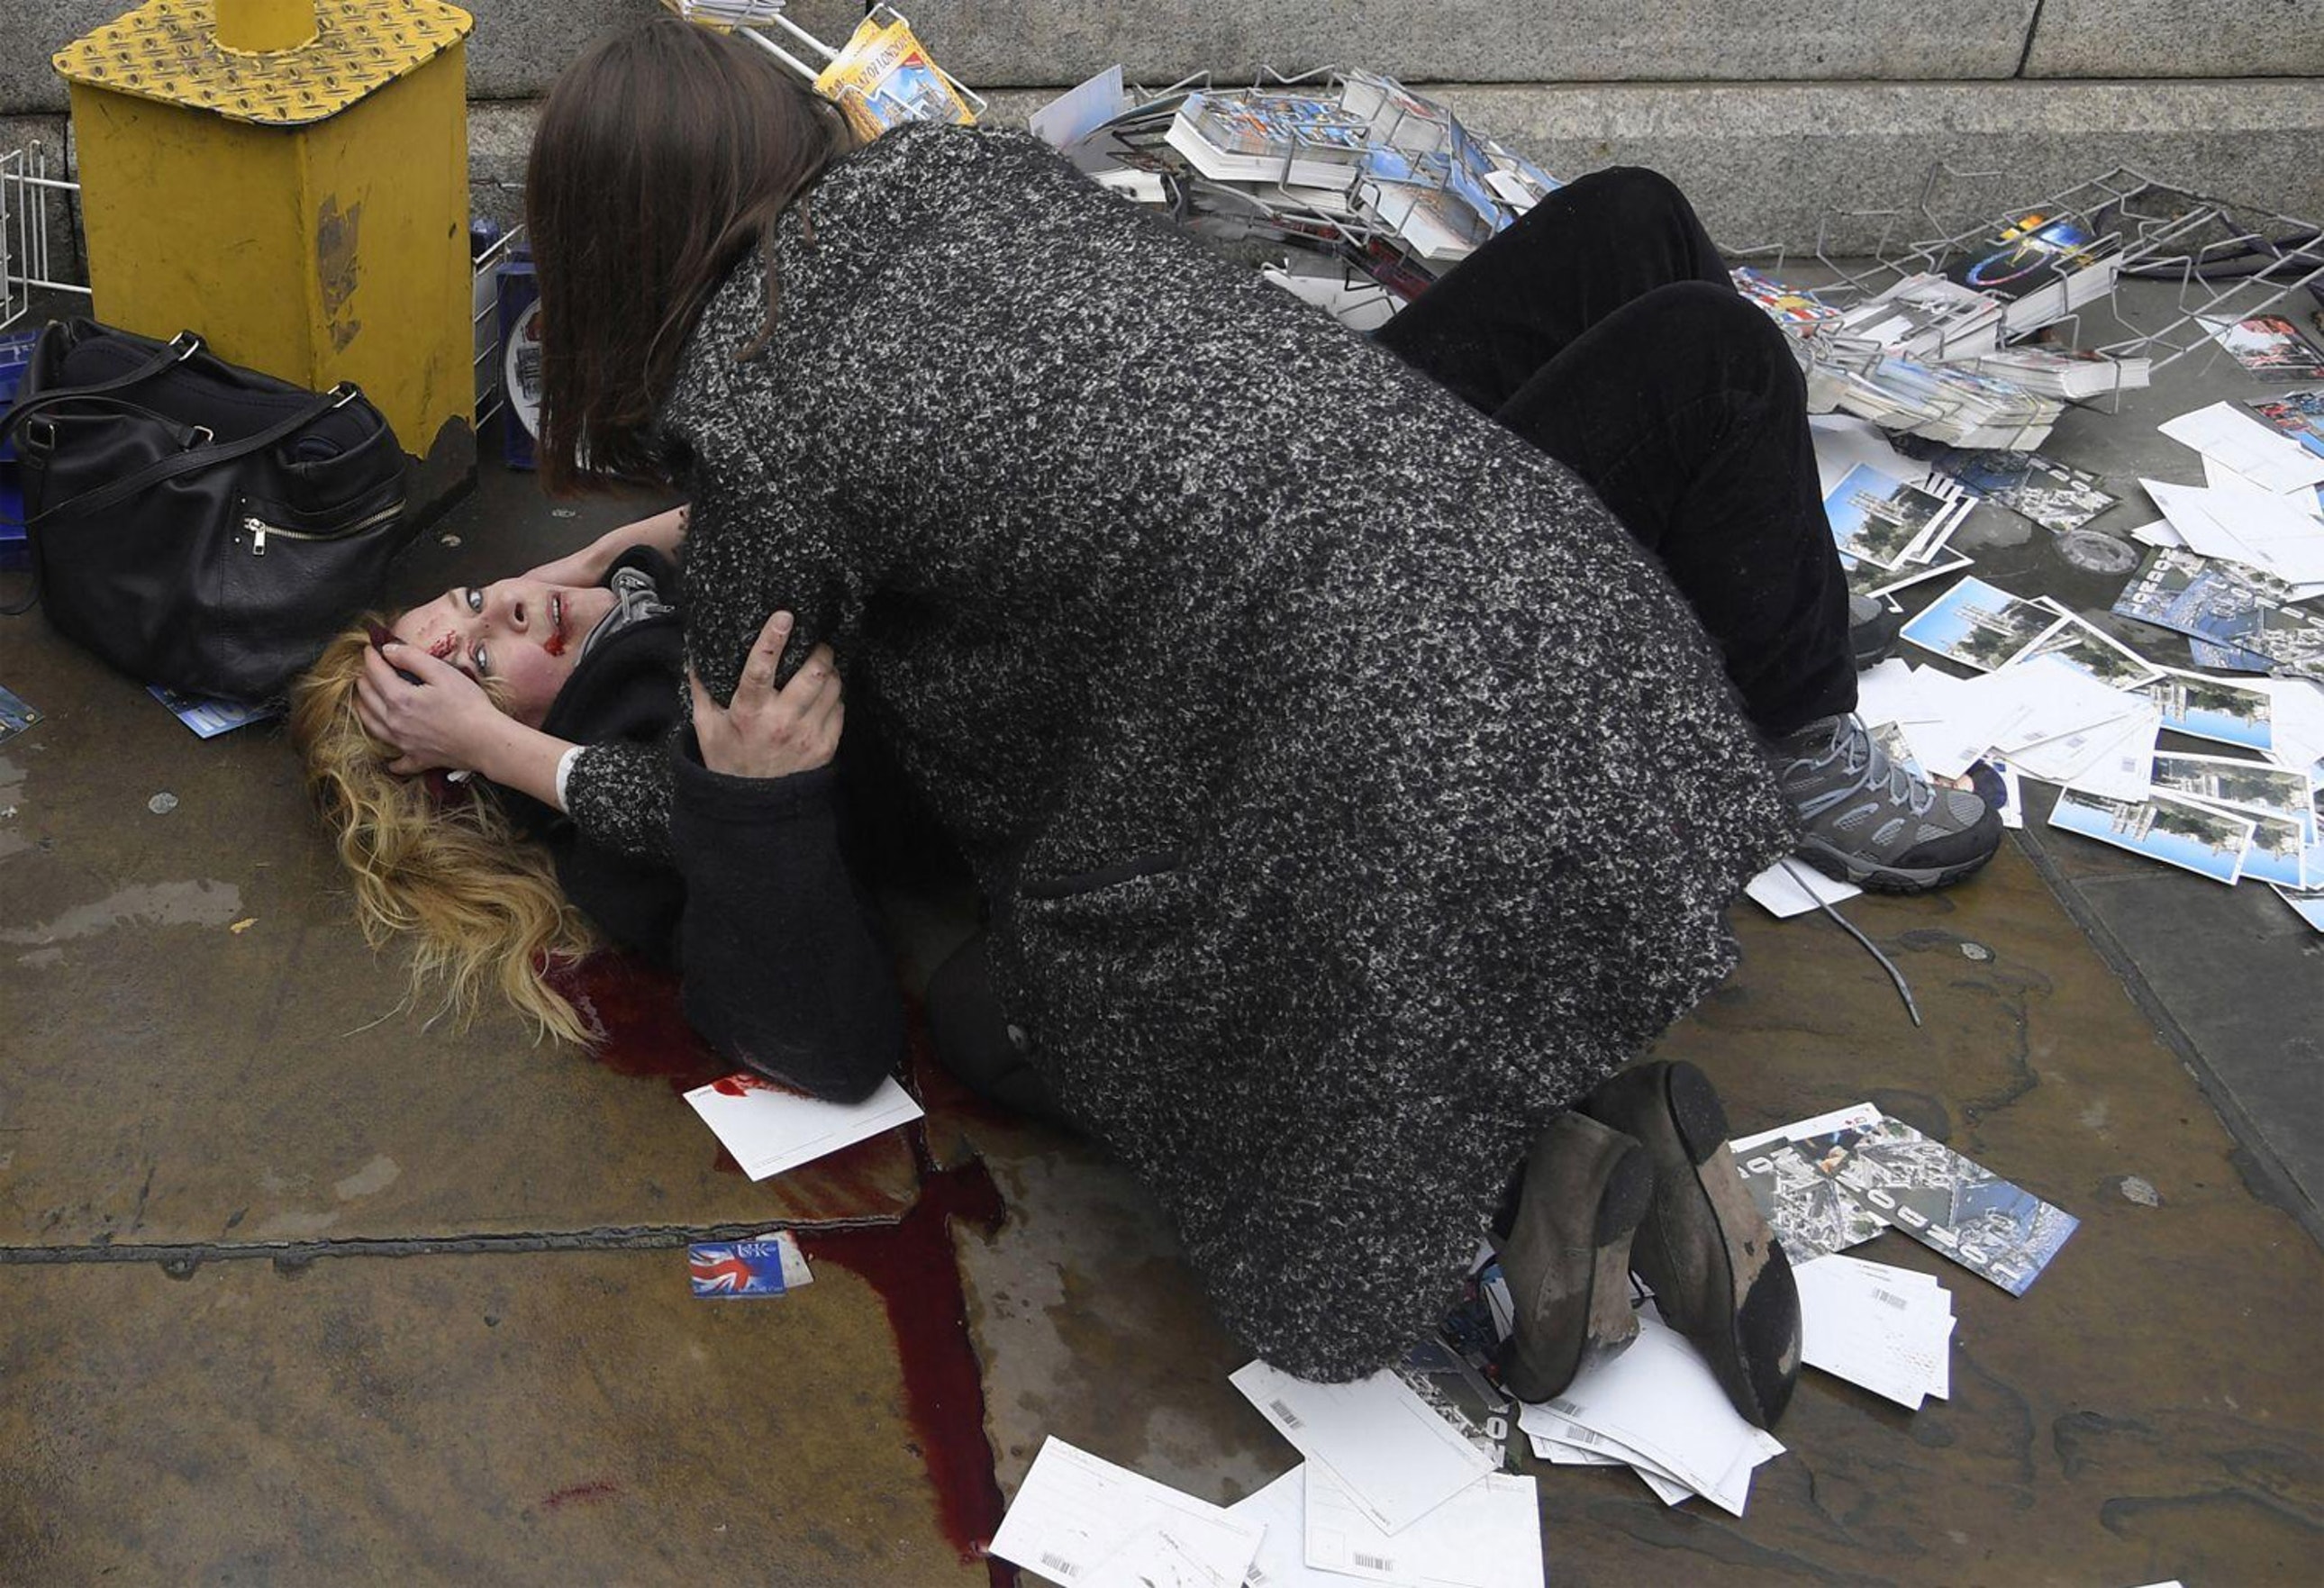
column 198, row 526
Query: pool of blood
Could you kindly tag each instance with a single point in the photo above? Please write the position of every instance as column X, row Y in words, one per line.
column 912, row 1268
column 910, row 1264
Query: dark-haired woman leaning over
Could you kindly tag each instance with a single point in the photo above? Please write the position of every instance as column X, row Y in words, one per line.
column 1353, row 796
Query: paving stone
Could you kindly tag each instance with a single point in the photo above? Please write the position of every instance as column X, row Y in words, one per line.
column 1782, row 163
column 558, row 1418
column 2159, row 39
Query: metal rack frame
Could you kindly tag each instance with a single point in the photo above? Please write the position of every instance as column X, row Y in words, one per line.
column 2230, row 260
column 26, row 183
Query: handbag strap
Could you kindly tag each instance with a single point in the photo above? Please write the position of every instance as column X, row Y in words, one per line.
column 195, row 459
column 177, row 350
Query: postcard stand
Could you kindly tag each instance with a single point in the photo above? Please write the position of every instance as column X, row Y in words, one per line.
column 2230, row 261
column 883, row 14
column 25, row 185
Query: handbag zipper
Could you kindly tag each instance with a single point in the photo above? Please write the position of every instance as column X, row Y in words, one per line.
column 260, row 528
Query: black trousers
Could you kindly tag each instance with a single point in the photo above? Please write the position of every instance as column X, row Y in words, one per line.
column 1604, row 329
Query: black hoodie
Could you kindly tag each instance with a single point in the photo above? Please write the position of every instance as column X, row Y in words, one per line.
column 780, row 967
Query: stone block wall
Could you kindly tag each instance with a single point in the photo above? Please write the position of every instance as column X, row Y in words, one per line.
column 1772, row 113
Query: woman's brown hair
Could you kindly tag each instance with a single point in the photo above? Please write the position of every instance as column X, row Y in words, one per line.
column 664, row 154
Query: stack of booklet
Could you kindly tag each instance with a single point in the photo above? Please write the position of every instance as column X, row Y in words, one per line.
column 1948, row 404
column 2042, row 267
column 2064, row 372
column 1928, row 317
column 1930, row 355
column 1353, row 171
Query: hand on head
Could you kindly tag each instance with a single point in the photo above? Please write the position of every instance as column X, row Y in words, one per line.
column 432, row 713
column 767, row 732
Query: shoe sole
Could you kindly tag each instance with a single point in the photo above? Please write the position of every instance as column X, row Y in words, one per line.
column 1747, row 1319
column 1873, row 656
column 1887, row 879
column 1548, row 1350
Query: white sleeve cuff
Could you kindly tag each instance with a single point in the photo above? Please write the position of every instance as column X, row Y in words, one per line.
column 565, row 771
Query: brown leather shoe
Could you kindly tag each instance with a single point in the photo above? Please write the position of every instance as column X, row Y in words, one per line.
column 1718, row 1273
column 1567, row 1258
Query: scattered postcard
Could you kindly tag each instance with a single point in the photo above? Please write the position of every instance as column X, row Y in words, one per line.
column 15, row 717
column 1866, row 579
column 1793, row 887
column 2213, row 709
column 768, row 1266
column 1888, row 1329
column 1395, row 1454
column 2177, row 832
column 1153, row 1557
column 1482, row 1319
column 2058, row 698
column 1979, row 626
column 1074, row 1510
column 2270, row 460
column 1967, row 717
column 1844, row 443
column 1956, row 1207
column 2088, row 648
column 2112, row 762
column 2243, row 523
column 2307, row 501
column 2297, row 723
column 2012, row 796
column 2054, row 495
column 2307, row 901
column 1891, row 693
column 2268, row 345
column 1882, row 521
column 2226, row 658
column 208, row 718
column 1488, row 1536
column 1662, row 1409
column 2276, row 853
column 2227, row 605
column 2245, row 786
column 2298, row 415
column 1438, row 1371
column 1281, row 1508
column 1806, row 1209
column 770, row 1128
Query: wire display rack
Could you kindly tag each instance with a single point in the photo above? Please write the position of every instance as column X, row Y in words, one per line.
column 490, row 365
column 29, row 186
column 2225, row 260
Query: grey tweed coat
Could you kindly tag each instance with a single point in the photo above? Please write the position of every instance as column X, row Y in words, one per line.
column 1350, row 793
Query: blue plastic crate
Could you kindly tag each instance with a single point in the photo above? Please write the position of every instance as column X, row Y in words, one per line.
column 14, row 551
column 15, row 357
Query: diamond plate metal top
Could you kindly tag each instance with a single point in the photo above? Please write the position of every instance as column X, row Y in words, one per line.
column 168, row 50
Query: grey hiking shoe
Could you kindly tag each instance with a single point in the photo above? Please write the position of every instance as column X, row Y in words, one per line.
column 1872, row 631
column 1875, row 824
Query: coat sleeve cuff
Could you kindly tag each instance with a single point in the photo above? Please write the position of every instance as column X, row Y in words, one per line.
column 720, row 797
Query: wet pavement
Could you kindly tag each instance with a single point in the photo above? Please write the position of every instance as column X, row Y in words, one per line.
column 301, row 1287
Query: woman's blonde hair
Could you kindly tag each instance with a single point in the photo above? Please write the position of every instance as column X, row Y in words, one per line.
column 481, row 899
